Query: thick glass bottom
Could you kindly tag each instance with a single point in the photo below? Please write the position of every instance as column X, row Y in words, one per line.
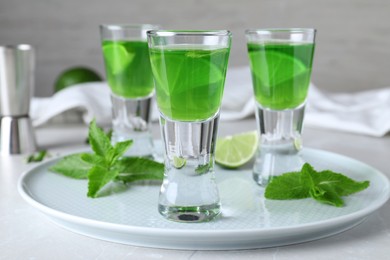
column 280, row 143
column 189, row 192
column 131, row 120
column 193, row 214
column 275, row 160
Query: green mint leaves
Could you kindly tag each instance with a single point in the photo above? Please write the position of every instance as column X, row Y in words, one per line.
column 107, row 163
column 37, row 157
column 326, row 186
column 72, row 166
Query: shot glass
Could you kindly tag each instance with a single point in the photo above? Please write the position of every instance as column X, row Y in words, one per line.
column 189, row 69
column 281, row 64
column 129, row 75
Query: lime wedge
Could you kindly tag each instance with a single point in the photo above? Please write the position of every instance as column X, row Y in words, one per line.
column 278, row 68
column 186, row 69
column 179, row 162
column 199, row 69
column 116, row 57
column 166, row 78
column 203, row 74
column 236, row 150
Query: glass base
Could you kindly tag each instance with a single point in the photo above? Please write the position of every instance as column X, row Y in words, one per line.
column 280, row 143
column 189, row 192
column 202, row 213
column 275, row 160
column 131, row 120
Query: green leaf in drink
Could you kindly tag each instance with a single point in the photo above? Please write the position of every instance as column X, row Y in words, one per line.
column 280, row 73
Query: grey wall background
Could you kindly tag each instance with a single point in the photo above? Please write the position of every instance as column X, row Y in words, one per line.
column 353, row 42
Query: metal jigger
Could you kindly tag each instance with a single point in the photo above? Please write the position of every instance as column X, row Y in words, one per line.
column 17, row 64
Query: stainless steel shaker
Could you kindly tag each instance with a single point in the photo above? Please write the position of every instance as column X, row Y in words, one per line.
column 17, row 70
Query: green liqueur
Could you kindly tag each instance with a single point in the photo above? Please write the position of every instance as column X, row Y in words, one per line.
column 128, row 68
column 281, row 73
column 189, row 80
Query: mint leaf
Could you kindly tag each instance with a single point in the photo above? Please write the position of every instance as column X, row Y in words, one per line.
column 341, row 184
column 107, row 163
column 306, row 176
column 94, row 159
column 37, row 157
column 286, row 187
column 326, row 186
column 99, row 141
column 118, row 150
column 72, row 166
column 104, row 159
column 138, row 168
column 322, row 193
column 327, row 196
column 108, row 134
column 202, row 169
column 121, row 147
column 98, row 177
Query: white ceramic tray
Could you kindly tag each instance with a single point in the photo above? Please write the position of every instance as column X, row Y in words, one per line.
column 129, row 214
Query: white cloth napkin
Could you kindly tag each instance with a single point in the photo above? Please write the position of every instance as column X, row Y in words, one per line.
column 89, row 99
column 365, row 112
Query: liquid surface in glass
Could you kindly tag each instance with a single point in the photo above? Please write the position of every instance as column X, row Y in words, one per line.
column 128, row 68
column 189, row 80
column 281, row 73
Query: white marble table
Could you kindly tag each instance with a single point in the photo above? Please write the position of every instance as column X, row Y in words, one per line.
column 25, row 233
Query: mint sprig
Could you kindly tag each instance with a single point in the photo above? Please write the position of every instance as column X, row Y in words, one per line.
column 325, row 187
column 107, row 163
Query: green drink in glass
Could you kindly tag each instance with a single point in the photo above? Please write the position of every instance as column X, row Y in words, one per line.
column 281, row 65
column 129, row 75
column 189, row 80
column 128, row 68
column 281, row 73
column 189, row 69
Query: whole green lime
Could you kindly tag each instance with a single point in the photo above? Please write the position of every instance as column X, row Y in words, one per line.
column 75, row 75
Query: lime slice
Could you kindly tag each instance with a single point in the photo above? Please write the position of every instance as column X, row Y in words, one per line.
column 116, row 57
column 199, row 69
column 236, row 150
column 165, row 78
column 275, row 67
column 179, row 162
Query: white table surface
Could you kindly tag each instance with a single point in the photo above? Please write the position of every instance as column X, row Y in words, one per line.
column 26, row 233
